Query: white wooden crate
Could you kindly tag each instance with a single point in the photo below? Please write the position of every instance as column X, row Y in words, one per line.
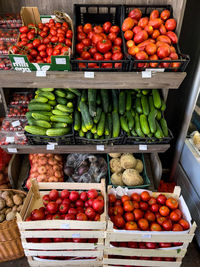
column 141, row 236
column 67, row 229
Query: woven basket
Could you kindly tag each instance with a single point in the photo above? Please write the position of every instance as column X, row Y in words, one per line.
column 10, row 242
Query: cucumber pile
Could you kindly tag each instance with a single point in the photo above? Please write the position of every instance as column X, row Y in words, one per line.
column 141, row 113
column 51, row 112
column 97, row 116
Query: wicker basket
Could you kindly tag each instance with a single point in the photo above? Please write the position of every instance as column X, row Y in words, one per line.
column 10, row 242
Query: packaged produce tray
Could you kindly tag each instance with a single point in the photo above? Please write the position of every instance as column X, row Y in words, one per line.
column 4, row 46
column 67, row 139
column 8, row 35
column 8, row 138
column 10, row 21
column 5, row 63
column 12, row 124
column 143, row 174
column 136, row 140
column 21, row 98
column 141, row 65
column 97, row 15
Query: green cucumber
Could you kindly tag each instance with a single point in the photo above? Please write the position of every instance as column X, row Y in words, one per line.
column 59, row 112
column 60, row 93
column 98, row 115
column 44, row 124
column 145, row 105
column 38, row 116
column 81, row 133
column 137, row 126
column 101, row 124
column 110, row 124
column 151, row 104
column 84, row 95
column 94, row 129
column 133, row 112
column 133, row 132
column 96, row 136
column 31, row 121
column 39, row 99
column 65, row 119
column 164, row 127
column 39, row 106
column 83, row 128
column 145, row 92
column 70, row 105
column 92, row 94
column 156, row 98
column 128, row 101
column 29, row 113
column 105, row 100
column 52, row 102
column 61, row 100
column 77, row 120
column 115, row 98
column 116, row 124
column 159, row 133
column 35, row 130
column 75, row 91
column 138, row 105
column 58, row 131
column 59, row 125
column 70, row 95
column 122, row 102
column 98, row 98
column 130, row 120
column 86, row 115
column 151, row 120
column 163, row 106
column 64, row 108
column 89, row 135
column 46, row 89
column 124, row 124
column 144, row 124
column 48, row 95
column 107, row 131
column 159, row 115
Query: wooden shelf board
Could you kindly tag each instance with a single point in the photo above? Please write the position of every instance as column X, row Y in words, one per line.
column 101, row 80
column 26, row 149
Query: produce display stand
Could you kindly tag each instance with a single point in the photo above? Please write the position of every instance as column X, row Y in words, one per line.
column 67, row 229
column 130, row 236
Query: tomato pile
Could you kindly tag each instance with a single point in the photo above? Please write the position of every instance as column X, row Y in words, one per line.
column 99, row 43
column 40, row 42
column 8, row 35
column 84, row 206
column 151, row 38
column 21, row 98
column 5, row 63
column 146, row 245
column 17, row 111
column 146, row 213
column 9, row 124
column 10, row 21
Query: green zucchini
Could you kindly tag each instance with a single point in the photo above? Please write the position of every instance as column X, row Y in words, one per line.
column 116, row 124
column 89, row 135
column 137, row 126
column 94, row 129
column 122, row 102
column 130, row 120
column 81, row 133
column 124, row 124
column 35, row 130
column 128, row 101
column 38, row 116
column 156, row 98
column 151, row 120
column 84, row 95
column 83, row 128
column 77, row 120
column 101, row 124
column 144, row 124
column 39, row 106
column 105, row 100
column 65, row 119
column 138, row 105
column 92, row 94
column 115, row 100
column 58, row 131
column 61, row 100
column 98, row 98
column 159, row 115
column 164, row 127
column 107, row 131
column 145, row 105
column 98, row 115
column 86, row 115
column 60, row 93
column 110, row 124
column 43, row 124
column 133, row 132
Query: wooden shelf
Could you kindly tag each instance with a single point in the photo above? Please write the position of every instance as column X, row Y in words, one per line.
column 26, row 149
column 101, row 80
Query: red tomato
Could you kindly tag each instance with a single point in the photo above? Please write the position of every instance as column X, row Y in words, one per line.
column 161, row 219
column 53, row 195
column 165, row 14
column 112, row 198
column 52, row 207
column 37, row 215
column 56, row 52
column 87, row 28
column 164, row 211
column 115, row 29
column 79, row 28
column 172, row 203
column 128, row 216
column 80, row 36
column 154, row 208
column 125, row 198
column 131, row 226
column 112, row 36
column 143, row 224
column 86, row 42
column 155, row 227
column 70, row 216
column 79, row 203
column 144, row 206
column 98, row 205
column 167, row 225
column 128, row 35
column 63, row 208
column 83, row 196
column 97, row 217
column 161, row 199
column 68, row 42
column 54, row 39
column 45, row 199
column 135, row 197
column 117, row 56
column 98, row 29
column 165, row 245
column 184, row 224
column 104, row 46
column 74, row 195
column 145, row 196
column 137, row 29
column 128, row 205
column 135, row 14
column 98, row 56
column 96, row 38
column 118, row 201
column 118, row 41
column 175, row 215
column 90, row 35
column 81, row 217
column 49, row 51
column 90, row 213
column 69, row 34
column 150, row 216
column 92, row 193
column 152, row 201
column 119, row 221
column 116, row 49
column 170, row 24
column 177, row 227
column 151, row 245
column 24, row 29
column 72, row 211
column 80, row 48
column 138, row 214
column 59, row 201
column 132, row 245
column 92, row 50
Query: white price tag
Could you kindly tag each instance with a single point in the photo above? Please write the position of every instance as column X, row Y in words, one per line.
column 41, row 73
column 65, row 226
column 12, row 150
column 146, row 74
column 146, row 236
column 89, row 74
column 15, row 123
column 100, row 147
column 77, row 235
column 142, row 147
column 156, row 70
column 51, row 143
column 61, row 61
column 50, row 147
column 10, row 139
column 19, row 60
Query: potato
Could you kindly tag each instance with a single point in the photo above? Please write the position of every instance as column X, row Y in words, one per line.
column 139, row 166
column 2, row 217
column 115, row 165
column 22, row 195
column 2, row 203
column 17, row 200
column 116, row 179
column 8, row 210
column 19, row 208
column 9, row 202
column 115, row 155
column 14, row 208
column 128, row 161
column 5, row 194
column 3, row 211
column 10, row 216
column 132, row 177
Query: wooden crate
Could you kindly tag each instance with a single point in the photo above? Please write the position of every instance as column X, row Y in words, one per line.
column 142, row 236
column 68, row 229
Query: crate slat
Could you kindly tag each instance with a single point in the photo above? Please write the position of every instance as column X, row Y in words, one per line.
column 88, row 253
column 62, row 246
column 83, row 263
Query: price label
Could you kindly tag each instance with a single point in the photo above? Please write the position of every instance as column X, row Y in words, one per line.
column 10, row 139
column 76, row 235
column 50, row 147
column 146, row 74
column 41, row 73
column 15, row 123
column 146, row 236
column 12, row 150
column 61, row 61
column 100, row 147
column 89, row 74
column 65, row 226
column 142, row 147
column 156, row 70
column 19, row 60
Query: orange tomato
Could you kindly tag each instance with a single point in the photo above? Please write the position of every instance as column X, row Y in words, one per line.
column 128, row 205
column 177, row 227
column 155, row 227
column 129, row 216
column 135, row 196
column 184, row 224
column 164, row 211
column 128, row 35
column 145, row 196
column 125, row 198
column 172, row 203
column 150, row 216
column 143, row 224
column 130, row 43
column 131, row 226
column 133, row 50
column 138, row 214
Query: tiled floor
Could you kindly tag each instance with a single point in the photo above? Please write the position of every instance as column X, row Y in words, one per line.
column 192, row 259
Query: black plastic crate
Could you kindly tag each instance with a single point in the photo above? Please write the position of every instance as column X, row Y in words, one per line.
column 110, row 141
column 97, row 15
column 141, row 65
column 136, row 140
column 67, row 139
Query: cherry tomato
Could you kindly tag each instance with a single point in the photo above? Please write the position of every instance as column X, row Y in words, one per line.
column 54, row 39
column 56, row 52
column 69, row 34
column 36, row 42
column 43, row 34
column 87, row 28
column 33, row 53
column 49, row 51
column 30, row 35
column 41, row 47
column 43, row 53
column 24, row 29
column 30, row 46
column 68, row 42
column 79, row 28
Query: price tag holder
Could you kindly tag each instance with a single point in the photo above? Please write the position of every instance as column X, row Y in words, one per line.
column 19, row 60
column 41, row 73
column 146, row 74
column 76, row 235
column 50, row 147
column 61, row 61
column 65, row 226
column 142, row 147
column 10, row 139
column 12, row 150
column 15, row 123
column 100, row 147
column 157, row 70
column 89, row 74
column 146, row 236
